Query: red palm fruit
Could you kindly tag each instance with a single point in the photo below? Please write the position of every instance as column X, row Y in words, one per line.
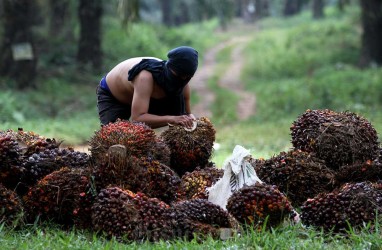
column 138, row 139
column 190, row 149
column 359, row 172
column 32, row 142
column 298, row 174
column 258, row 204
column 130, row 216
column 342, row 138
column 12, row 210
column 151, row 177
column 201, row 218
column 352, row 205
column 193, row 184
column 10, row 160
column 61, row 196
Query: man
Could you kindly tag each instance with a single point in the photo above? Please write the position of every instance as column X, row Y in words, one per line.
column 149, row 90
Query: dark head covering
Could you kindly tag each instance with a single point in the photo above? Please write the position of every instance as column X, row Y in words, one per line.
column 182, row 60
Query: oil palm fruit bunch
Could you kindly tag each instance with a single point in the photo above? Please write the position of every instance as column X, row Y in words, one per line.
column 193, row 184
column 359, row 171
column 297, row 174
column 11, row 208
column 339, row 138
column 155, row 179
column 138, row 138
column 201, row 218
column 161, row 152
column 32, row 142
column 38, row 165
column 143, row 174
column 353, row 204
column 116, row 169
column 259, row 205
column 190, row 149
column 61, row 196
column 130, row 216
column 10, row 150
column 10, row 160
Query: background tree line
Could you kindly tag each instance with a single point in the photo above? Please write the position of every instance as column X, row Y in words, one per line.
column 35, row 29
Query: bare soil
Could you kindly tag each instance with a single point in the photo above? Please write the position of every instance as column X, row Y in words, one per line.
column 230, row 80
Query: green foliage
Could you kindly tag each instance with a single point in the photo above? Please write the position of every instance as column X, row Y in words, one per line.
column 139, row 39
column 309, row 66
column 197, row 35
column 142, row 39
column 297, row 52
column 10, row 108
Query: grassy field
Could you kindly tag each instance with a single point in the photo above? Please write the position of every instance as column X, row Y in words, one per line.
column 284, row 237
column 292, row 65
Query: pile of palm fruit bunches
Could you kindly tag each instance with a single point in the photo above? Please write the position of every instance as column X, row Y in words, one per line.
column 136, row 184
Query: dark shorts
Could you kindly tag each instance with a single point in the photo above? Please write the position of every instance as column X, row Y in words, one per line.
column 110, row 109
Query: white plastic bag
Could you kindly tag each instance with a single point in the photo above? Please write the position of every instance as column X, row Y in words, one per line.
column 238, row 172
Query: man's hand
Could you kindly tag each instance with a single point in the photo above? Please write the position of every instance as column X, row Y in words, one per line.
column 184, row 120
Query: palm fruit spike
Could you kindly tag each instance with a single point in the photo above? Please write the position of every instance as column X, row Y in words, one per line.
column 139, row 139
column 338, row 138
column 353, row 204
column 130, row 216
column 190, row 149
column 60, row 197
column 11, row 212
column 193, row 184
column 297, row 174
column 258, row 204
column 198, row 216
column 11, row 171
column 358, row 172
column 32, row 142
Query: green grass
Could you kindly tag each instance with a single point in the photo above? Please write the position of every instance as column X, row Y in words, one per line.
column 286, row 236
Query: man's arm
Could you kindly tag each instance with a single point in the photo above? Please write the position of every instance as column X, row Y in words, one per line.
column 143, row 88
column 187, row 98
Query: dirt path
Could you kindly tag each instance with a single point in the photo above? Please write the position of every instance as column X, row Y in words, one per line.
column 230, row 80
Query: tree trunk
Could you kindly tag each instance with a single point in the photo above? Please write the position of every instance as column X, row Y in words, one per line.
column 248, row 10
column 89, row 47
column 58, row 16
column 182, row 15
column 318, row 9
column 167, row 12
column 17, row 58
column 372, row 32
column 292, row 7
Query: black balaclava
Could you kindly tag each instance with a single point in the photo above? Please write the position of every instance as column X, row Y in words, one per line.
column 182, row 60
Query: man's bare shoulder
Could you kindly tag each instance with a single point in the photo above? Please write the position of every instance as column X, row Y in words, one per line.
column 135, row 60
column 144, row 76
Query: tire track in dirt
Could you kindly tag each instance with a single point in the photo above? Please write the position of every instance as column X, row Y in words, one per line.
column 230, row 80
